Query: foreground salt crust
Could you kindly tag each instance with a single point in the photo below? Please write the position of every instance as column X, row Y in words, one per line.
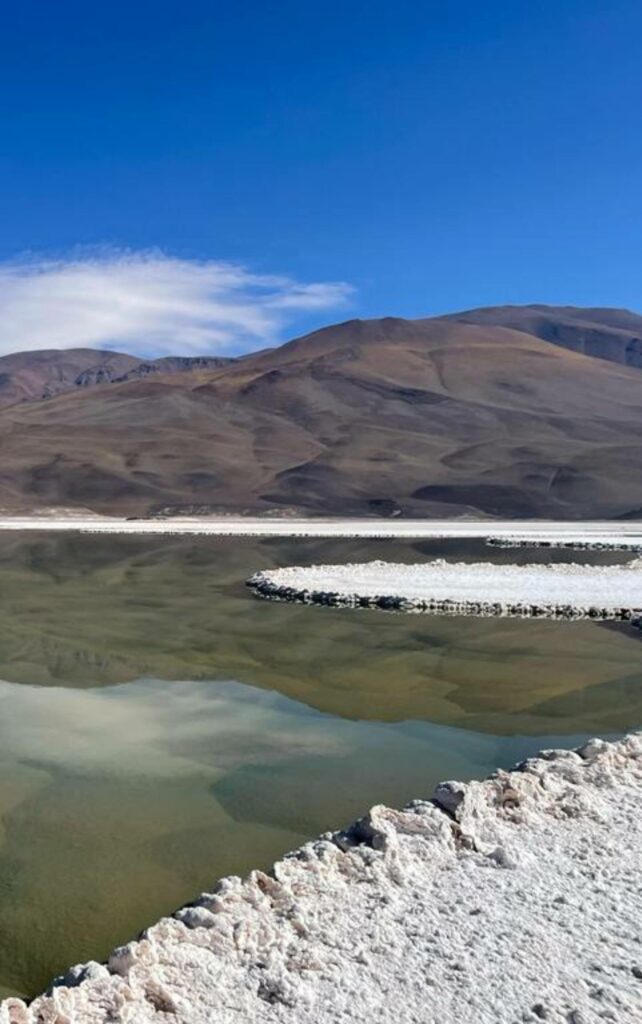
column 518, row 899
column 481, row 588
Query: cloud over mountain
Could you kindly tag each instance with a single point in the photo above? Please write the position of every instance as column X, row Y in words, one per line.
column 149, row 303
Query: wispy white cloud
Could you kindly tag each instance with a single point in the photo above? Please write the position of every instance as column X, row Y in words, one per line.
column 149, row 303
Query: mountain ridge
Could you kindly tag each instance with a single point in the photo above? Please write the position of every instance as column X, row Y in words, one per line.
column 45, row 373
column 459, row 414
column 611, row 334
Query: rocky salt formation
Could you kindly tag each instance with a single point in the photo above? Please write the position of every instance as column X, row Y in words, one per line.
column 574, row 544
column 568, row 591
column 517, row 899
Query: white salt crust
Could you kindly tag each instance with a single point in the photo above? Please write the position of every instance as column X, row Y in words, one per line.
column 517, row 899
column 482, row 588
column 597, row 533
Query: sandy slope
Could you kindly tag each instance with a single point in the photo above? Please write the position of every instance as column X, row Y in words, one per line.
column 514, row 899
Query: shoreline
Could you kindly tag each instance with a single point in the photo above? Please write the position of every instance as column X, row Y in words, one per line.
column 567, row 591
column 596, row 534
column 405, row 914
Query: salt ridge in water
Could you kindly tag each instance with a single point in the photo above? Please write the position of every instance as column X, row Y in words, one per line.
column 514, row 899
column 484, row 588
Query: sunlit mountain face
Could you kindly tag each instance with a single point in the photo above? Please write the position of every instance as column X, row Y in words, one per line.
column 513, row 412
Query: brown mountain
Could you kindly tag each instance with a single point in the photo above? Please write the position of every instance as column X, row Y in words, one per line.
column 427, row 417
column 31, row 376
column 613, row 334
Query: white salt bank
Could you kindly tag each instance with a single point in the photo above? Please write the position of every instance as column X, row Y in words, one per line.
column 482, row 588
column 587, row 534
column 511, row 901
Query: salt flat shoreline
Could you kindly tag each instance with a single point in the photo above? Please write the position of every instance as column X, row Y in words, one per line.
column 482, row 588
column 537, row 532
column 513, row 899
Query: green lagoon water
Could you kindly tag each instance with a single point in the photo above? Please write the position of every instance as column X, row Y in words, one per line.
column 161, row 727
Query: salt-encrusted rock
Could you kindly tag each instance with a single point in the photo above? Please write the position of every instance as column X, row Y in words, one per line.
column 14, row 1011
column 196, row 917
column 512, row 900
column 90, row 971
column 592, row 749
column 449, row 796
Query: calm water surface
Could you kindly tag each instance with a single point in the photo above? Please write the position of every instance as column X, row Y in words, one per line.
column 161, row 727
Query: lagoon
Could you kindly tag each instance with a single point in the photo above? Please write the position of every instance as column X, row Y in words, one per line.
column 162, row 727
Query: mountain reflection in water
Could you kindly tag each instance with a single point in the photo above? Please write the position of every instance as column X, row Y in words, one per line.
column 161, row 727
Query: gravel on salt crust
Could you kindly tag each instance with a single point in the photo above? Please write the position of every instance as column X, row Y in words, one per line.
column 613, row 591
column 517, row 899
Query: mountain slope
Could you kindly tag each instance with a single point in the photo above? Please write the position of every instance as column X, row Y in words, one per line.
column 612, row 334
column 424, row 417
column 33, row 376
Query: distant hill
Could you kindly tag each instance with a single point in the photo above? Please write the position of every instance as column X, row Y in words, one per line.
column 514, row 411
column 613, row 334
column 32, row 376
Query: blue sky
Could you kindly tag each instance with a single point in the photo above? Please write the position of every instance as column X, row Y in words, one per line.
column 433, row 156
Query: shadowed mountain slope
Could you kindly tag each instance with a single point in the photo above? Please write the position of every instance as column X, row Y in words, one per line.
column 425, row 417
column 613, row 334
column 32, row 376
